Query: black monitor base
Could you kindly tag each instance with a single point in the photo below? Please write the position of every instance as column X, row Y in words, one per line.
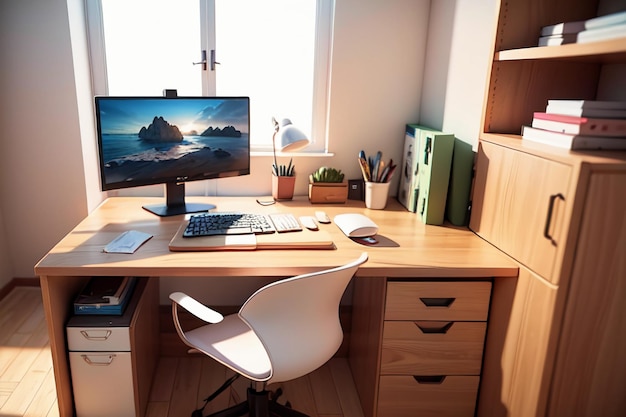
column 175, row 202
column 164, row 210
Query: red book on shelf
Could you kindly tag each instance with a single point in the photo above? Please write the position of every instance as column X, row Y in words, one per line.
column 579, row 125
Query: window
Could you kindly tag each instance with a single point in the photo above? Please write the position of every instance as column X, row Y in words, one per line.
column 275, row 51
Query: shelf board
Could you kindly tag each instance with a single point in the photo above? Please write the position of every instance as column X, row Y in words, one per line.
column 610, row 51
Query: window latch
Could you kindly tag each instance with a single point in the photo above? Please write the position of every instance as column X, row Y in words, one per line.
column 203, row 62
column 213, row 61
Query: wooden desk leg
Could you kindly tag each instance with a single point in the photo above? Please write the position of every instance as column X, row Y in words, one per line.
column 368, row 304
column 58, row 294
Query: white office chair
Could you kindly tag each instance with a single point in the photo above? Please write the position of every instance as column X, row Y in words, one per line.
column 285, row 330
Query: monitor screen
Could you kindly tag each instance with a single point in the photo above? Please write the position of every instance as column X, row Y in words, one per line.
column 162, row 140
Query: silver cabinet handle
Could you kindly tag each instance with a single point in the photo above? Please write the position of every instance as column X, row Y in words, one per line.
column 108, row 359
column 99, row 335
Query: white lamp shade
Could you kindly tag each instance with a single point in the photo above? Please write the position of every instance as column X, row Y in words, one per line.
column 290, row 138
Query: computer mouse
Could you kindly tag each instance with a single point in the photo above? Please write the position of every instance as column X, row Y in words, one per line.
column 356, row 225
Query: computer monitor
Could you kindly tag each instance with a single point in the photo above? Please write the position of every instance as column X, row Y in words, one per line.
column 171, row 140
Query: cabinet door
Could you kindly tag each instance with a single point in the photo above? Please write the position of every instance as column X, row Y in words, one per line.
column 520, row 349
column 519, row 205
column 590, row 370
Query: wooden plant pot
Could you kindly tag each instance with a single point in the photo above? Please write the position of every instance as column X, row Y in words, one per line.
column 328, row 192
column 282, row 187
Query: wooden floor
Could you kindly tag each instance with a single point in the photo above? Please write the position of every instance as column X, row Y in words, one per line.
column 26, row 378
column 181, row 383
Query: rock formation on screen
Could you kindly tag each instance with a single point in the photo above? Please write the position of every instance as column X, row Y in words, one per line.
column 228, row 131
column 160, row 131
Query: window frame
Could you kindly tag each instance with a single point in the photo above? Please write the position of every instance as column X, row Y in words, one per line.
column 322, row 61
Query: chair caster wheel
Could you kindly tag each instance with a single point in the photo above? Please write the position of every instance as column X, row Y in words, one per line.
column 274, row 395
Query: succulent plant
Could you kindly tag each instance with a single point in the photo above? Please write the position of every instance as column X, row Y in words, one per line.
column 325, row 174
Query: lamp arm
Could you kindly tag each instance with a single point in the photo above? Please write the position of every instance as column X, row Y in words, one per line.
column 275, row 167
column 274, row 150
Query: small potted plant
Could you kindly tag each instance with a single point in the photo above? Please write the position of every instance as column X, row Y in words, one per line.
column 327, row 185
column 283, row 181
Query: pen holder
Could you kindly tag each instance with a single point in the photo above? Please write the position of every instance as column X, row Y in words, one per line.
column 376, row 194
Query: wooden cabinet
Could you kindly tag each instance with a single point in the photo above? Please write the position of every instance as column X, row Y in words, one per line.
column 429, row 359
column 561, row 352
column 555, row 345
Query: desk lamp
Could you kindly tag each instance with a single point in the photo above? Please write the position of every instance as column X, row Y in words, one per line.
column 290, row 139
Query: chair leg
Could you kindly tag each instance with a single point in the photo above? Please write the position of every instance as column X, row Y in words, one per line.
column 279, row 410
column 258, row 403
column 234, row 411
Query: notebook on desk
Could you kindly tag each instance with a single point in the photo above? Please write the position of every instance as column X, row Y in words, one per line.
column 305, row 239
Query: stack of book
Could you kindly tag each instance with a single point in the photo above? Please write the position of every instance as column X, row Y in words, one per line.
column 580, row 124
column 105, row 296
column 610, row 26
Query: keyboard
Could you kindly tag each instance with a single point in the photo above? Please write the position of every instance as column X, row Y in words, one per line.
column 285, row 222
column 211, row 224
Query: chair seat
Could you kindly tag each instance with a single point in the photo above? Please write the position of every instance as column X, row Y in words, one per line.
column 232, row 343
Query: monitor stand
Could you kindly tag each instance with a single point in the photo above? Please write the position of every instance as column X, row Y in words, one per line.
column 175, row 202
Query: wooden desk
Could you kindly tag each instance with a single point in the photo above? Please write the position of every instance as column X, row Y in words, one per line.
column 409, row 249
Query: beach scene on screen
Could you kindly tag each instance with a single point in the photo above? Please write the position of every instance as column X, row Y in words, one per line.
column 143, row 140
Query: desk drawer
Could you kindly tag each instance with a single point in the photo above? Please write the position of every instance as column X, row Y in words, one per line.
column 430, row 300
column 432, row 348
column 103, row 384
column 445, row 396
column 97, row 339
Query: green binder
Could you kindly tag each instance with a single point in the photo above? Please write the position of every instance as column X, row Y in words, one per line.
column 434, row 160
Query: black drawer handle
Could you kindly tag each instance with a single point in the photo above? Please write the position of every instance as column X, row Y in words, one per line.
column 437, row 302
column 429, row 379
column 546, row 229
column 441, row 329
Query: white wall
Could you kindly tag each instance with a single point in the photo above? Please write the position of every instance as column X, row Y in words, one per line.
column 41, row 171
column 379, row 83
column 458, row 55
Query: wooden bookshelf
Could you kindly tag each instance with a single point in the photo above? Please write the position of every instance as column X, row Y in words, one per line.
column 523, row 76
column 558, row 214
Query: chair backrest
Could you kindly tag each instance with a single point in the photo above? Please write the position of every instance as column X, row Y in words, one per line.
column 297, row 319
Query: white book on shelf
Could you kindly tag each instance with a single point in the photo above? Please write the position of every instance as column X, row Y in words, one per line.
column 581, row 25
column 588, row 104
column 588, row 108
column 573, row 142
column 587, row 112
column 602, row 33
column 557, row 40
column 606, row 20
column 563, row 28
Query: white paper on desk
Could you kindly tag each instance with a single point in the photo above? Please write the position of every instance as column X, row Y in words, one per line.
column 127, row 242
